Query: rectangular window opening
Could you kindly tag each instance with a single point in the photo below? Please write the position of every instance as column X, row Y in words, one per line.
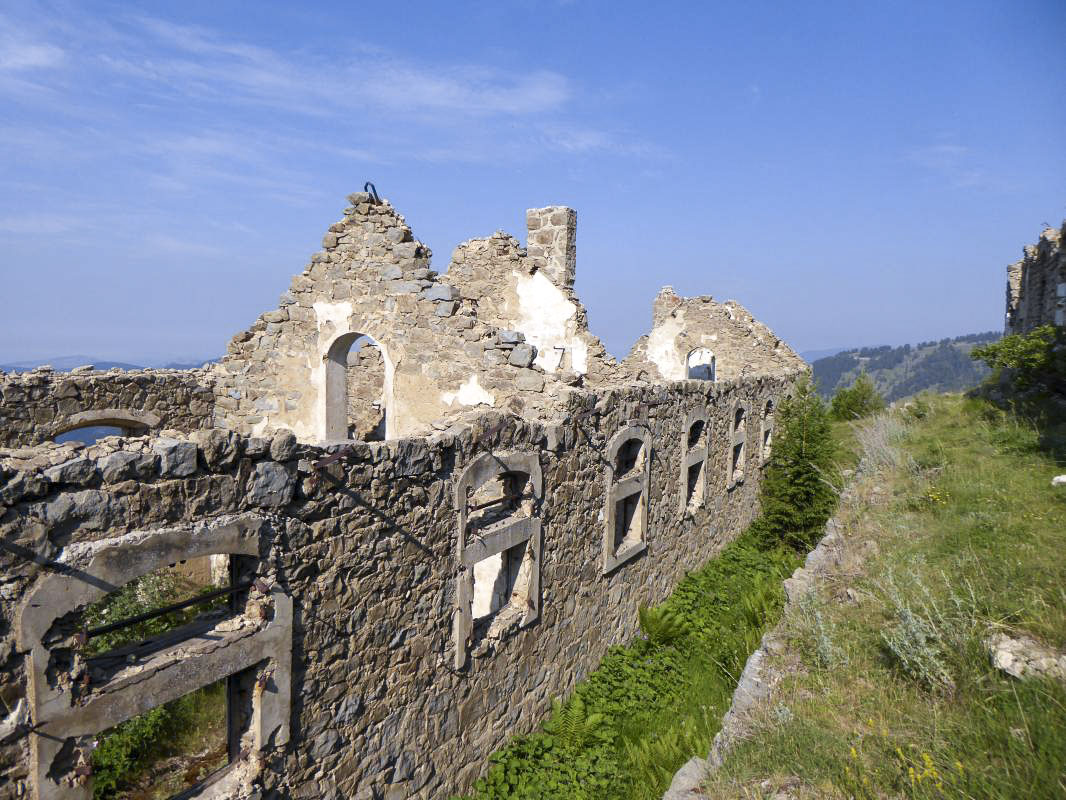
column 627, row 520
column 694, row 496
column 738, row 461
column 501, row 583
column 129, row 615
column 167, row 750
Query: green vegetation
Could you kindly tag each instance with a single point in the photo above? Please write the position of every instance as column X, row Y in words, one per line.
column 154, row 590
column 963, row 535
column 652, row 704
column 165, row 750
column 1037, row 358
column 898, row 372
column 168, row 748
column 797, row 494
column 859, row 400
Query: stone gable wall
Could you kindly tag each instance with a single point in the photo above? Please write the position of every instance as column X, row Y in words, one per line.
column 365, row 548
column 373, row 278
column 741, row 344
column 36, row 406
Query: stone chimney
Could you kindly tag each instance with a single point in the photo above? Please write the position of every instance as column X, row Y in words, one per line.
column 552, row 243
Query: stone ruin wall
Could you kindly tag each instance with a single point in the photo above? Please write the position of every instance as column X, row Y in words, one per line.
column 1036, row 285
column 38, row 405
column 373, row 278
column 361, row 669
column 682, row 326
column 364, row 551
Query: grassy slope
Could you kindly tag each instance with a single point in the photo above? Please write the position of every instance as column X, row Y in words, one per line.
column 972, row 527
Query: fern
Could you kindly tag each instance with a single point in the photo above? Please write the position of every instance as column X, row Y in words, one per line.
column 663, row 626
column 571, row 725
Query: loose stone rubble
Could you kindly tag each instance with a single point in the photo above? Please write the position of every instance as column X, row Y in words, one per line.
column 416, row 600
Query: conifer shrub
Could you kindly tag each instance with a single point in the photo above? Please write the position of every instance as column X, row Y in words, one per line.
column 861, row 399
column 797, row 495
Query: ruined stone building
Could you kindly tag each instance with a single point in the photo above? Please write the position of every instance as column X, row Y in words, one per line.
column 433, row 501
column 1036, row 285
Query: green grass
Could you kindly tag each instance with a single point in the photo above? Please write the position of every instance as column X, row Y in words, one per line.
column 970, row 538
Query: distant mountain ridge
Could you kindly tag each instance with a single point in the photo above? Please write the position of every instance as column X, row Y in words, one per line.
column 898, row 372
column 67, row 363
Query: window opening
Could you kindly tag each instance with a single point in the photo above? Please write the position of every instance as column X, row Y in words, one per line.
column 694, row 462
column 699, row 365
column 767, row 431
column 90, row 434
column 739, row 444
column 626, row 515
column 153, row 687
column 355, row 389
column 498, row 549
column 166, row 750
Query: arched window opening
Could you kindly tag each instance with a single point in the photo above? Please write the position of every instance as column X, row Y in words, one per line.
column 767, row 431
column 498, row 588
column 626, row 515
column 179, row 640
column 92, row 425
column 739, row 444
column 694, row 463
column 90, row 434
column 699, row 366
column 355, row 389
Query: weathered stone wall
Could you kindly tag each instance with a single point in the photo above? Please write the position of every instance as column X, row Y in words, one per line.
column 700, row 327
column 365, row 549
column 1036, row 285
column 39, row 405
column 531, row 290
column 372, row 278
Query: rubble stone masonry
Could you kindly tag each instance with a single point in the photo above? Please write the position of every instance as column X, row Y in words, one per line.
column 413, row 602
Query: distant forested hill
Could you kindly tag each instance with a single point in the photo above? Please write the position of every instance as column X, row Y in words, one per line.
column 943, row 366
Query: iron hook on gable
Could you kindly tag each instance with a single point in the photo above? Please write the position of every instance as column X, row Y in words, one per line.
column 369, row 187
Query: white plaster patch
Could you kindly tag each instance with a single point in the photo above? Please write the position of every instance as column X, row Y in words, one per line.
column 662, row 349
column 547, row 318
column 469, row 394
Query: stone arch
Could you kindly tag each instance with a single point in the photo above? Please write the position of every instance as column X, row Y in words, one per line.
column 131, row 422
column 178, row 667
column 625, row 533
column 700, row 365
column 338, row 393
column 498, row 550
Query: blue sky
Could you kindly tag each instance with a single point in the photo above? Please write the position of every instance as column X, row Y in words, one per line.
column 853, row 173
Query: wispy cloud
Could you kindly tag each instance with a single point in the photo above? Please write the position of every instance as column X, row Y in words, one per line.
column 950, row 160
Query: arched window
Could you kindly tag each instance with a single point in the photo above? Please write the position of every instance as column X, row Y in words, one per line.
column 626, row 515
column 88, row 426
column 498, row 550
column 693, row 481
column 738, row 452
column 90, row 673
column 356, row 387
column 767, row 437
column 699, row 365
